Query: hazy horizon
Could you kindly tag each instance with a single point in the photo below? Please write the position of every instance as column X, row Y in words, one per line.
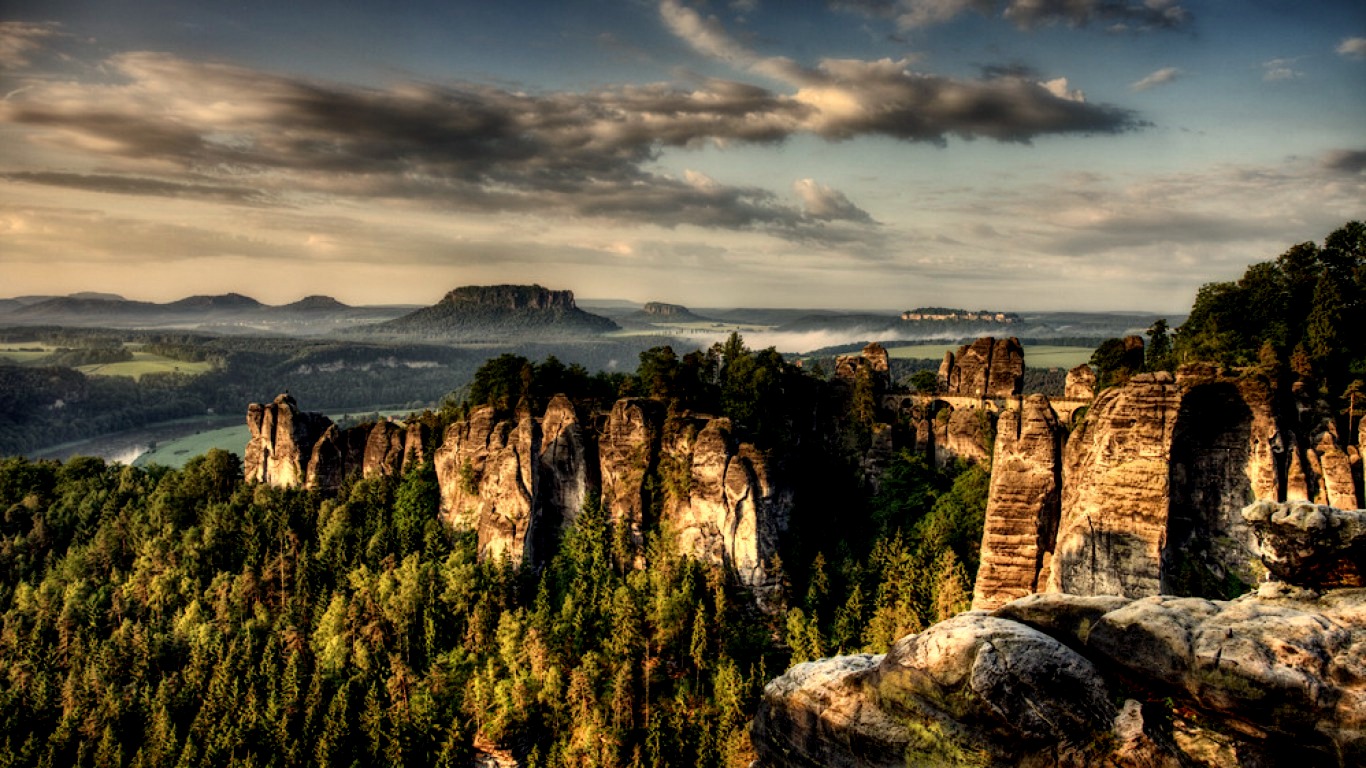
column 1005, row 154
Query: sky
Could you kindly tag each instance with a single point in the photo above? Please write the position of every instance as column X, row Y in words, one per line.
column 855, row 154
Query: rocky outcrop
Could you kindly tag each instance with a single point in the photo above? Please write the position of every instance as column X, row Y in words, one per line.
column 1022, row 506
column 985, row 368
column 282, row 442
column 628, row 452
column 568, row 464
column 290, row 448
column 488, row 470
column 1080, row 383
column 1311, row 545
column 1273, row 678
column 873, row 359
column 966, row 434
column 1116, row 492
column 722, row 502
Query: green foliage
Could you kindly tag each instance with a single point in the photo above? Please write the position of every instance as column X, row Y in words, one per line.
column 1300, row 305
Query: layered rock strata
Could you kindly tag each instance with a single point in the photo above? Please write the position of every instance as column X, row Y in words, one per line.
column 1022, row 506
column 1153, row 483
column 1080, row 383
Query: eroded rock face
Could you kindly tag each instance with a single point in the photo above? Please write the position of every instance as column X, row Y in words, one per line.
column 383, row 450
column 721, row 500
column 1116, row 492
column 1276, row 678
column 985, row 368
column 1311, row 545
column 569, row 471
column 627, row 453
column 969, row 687
column 873, row 358
column 1022, row 506
column 282, row 442
column 460, row 463
column 1080, row 383
column 966, row 435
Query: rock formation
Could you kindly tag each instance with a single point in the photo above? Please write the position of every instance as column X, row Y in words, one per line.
column 985, row 368
column 513, row 480
column 290, row 448
column 282, row 442
column 722, row 502
column 1311, row 545
column 1273, row 678
column 1081, row 383
column 628, row 453
column 873, row 358
column 1153, row 483
column 1022, row 505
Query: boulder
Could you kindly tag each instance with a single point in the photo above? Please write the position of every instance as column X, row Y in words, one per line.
column 1311, row 545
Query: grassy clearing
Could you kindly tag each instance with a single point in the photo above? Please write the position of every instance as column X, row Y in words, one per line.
column 143, row 363
column 175, row 453
column 1036, row 355
column 22, row 353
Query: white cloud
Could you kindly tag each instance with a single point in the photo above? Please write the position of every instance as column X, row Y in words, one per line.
column 1162, row 76
column 1278, row 70
column 827, row 204
column 1116, row 15
column 1353, row 48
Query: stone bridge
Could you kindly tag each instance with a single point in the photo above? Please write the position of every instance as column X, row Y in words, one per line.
column 1066, row 408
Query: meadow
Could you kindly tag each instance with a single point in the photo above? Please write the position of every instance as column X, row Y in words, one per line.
column 144, row 363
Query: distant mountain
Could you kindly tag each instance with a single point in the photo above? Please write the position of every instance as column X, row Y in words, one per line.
column 97, row 295
column 314, row 304
column 227, row 301
column 498, row 311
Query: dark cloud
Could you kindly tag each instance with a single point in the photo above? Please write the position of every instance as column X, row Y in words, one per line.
column 1118, row 15
column 135, row 185
column 1349, row 161
column 245, row 136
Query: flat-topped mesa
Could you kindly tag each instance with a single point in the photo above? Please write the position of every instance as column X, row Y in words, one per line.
column 660, row 309
column 513, row 297
column 986, row 368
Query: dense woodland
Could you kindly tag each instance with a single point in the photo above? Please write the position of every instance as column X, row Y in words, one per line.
column 183, row 617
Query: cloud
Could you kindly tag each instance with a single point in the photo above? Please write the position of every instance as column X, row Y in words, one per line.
column 844, row 98
column 1277, row 70
column 826, row 204
column 134, row 185
column 1352, row 48
column 1028, row 14
column 1349, row 161
column 20, row 39
column 1162, row 76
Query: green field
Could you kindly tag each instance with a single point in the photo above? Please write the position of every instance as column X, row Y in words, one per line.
column 145, row 362
column 25, row 352
column 176, row 452
column 1036, row 355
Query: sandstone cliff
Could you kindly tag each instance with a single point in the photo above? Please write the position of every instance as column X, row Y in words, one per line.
column 290, row 448
column 1153, row 482
column 1276, row 677
column 1080, row 383
column 517, row 480
column 1022, row 505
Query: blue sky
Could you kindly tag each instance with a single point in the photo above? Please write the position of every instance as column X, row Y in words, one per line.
column 1010, row 154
